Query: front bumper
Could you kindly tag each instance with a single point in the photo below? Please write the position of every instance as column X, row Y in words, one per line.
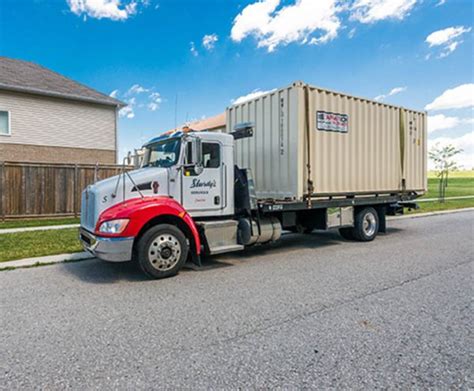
column 107, row 249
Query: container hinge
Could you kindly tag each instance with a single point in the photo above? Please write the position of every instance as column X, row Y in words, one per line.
column 310, row 186
column 402, row 147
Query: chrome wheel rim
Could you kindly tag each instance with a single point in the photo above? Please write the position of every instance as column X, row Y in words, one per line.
column 369, row 224
column 164, row 252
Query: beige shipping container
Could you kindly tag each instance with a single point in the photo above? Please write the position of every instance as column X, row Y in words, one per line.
column 308, row 140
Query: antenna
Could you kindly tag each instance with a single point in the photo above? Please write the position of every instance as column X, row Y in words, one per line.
column 176, row 112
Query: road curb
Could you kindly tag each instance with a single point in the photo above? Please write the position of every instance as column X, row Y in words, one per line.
column 47, row 260
column 427, row 214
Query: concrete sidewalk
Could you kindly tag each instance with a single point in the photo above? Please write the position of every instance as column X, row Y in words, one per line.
column 43, row 228
column 427, row 214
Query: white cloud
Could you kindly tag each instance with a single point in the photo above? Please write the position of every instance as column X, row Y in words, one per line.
column 440, row 122
column 108, row 9
column 192, row 48
column 466, row 142
column 297, row 22
column 393, row 91
column 370, row 11
column 136, row 100
column 114, row 94
column 447, row 39
column 209, row 41
column 455, row 98
column 155, row 101
column 446, row 35
column 127, row 112
column 137, row 89
column 253, row 95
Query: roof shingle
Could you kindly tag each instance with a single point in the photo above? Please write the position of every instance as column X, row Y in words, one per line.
column 24, row 76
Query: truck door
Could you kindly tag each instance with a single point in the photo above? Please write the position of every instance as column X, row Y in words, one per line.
column 204, row 191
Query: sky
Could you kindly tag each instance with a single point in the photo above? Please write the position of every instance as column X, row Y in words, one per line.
column 176, row 61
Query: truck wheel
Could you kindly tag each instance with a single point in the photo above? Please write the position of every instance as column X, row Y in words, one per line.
column 162, row 251
column 366, row 225
column 347, row 233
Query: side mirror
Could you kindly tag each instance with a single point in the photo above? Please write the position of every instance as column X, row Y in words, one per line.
column 195, row 157
column 196, row 151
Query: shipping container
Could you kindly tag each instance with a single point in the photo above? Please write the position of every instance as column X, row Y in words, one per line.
column 312, row 141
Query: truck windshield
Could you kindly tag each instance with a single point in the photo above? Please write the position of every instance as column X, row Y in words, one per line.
column 162, row 154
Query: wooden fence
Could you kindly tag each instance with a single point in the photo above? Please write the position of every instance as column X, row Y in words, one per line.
column 46, row 190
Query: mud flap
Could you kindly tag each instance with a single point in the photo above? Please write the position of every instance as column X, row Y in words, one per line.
column 381, row 212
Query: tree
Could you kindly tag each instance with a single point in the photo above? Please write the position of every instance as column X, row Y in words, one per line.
column 443, row 158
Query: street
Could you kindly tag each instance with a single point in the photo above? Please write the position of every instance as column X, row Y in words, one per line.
column 313, row 311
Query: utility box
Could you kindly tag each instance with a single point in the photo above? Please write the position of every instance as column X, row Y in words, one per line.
column 313, row 142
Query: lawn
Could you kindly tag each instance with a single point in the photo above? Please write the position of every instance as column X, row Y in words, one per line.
column 460, row 183
column 457, row 186
column 38, row 243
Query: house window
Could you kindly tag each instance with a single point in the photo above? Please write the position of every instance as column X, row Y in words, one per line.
column 5, row 123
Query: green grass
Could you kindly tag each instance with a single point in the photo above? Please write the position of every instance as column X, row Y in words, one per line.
column 38, row 243
column 460, row 183
column 457, row 186
column 37, row 222
column 435, row 206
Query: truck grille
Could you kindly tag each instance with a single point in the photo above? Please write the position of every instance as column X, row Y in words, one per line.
column 88, row 210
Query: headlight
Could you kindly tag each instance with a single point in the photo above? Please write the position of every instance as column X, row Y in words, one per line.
column 113, row 226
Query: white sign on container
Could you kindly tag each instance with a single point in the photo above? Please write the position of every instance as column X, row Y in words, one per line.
column 332, row 122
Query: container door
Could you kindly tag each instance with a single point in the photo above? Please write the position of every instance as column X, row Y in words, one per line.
column 414, row 170
column 204, row 191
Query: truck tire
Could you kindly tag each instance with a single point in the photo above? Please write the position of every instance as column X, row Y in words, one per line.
column 366, row 225
column 162, row 251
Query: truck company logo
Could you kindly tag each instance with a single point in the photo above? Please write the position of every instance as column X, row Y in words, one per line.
column 332, row 122
column 198, row 184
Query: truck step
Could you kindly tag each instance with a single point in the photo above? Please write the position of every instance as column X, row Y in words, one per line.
column 226, row 249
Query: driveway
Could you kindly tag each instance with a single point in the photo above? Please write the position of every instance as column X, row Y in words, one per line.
column 312, row 311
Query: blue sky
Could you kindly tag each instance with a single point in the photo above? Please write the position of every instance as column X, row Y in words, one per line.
column 417, row 53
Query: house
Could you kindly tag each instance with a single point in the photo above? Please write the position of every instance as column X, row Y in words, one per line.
column 216, row 123
column 46, row 117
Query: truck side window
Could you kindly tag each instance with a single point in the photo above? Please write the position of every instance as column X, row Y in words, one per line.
column 211, row 155
column 188, row 153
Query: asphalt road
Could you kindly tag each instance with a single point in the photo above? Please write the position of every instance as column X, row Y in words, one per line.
column 313, row 311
